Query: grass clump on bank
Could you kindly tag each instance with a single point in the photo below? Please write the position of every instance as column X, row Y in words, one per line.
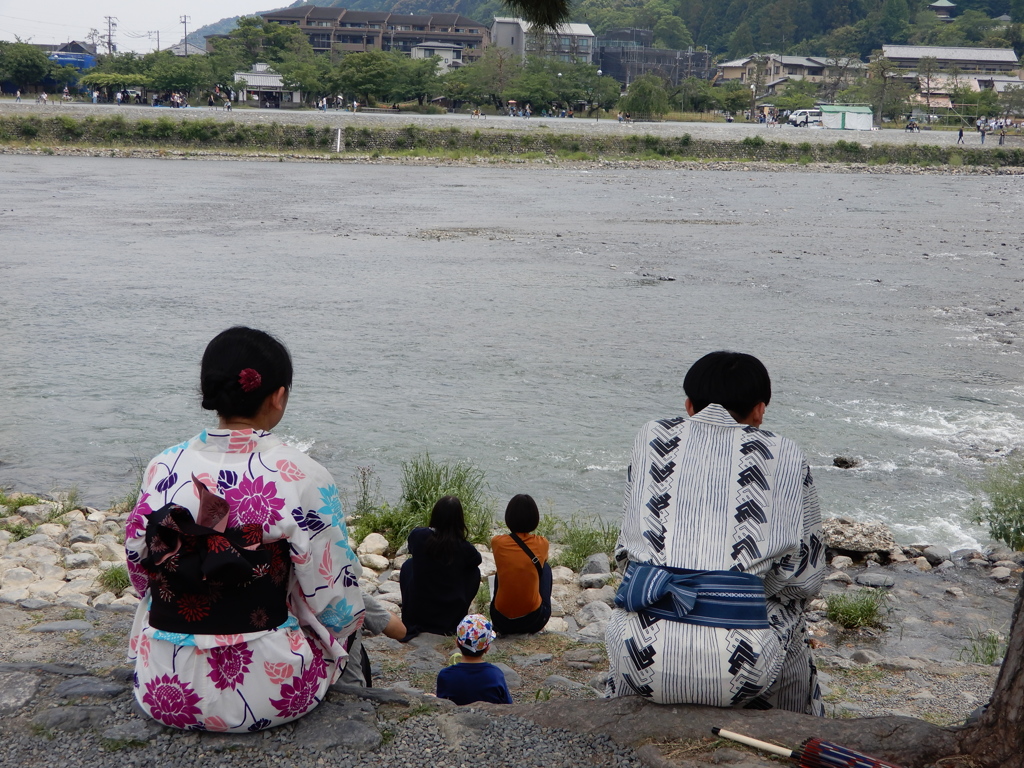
column 424, row 481
column 1003, row 509
column 581, row 537
column 983, row 647
column 115, row 579
column 862, row 609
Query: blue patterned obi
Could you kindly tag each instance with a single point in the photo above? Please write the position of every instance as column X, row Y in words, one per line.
column 726, row 599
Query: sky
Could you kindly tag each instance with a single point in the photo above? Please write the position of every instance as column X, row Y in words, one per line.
column 58, row 21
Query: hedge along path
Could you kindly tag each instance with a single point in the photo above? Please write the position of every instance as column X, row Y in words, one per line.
column 116, row 131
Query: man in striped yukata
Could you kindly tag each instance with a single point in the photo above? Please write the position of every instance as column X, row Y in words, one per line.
column 721, row 547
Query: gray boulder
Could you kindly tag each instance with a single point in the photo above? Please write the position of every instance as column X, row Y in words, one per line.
column 875, row 579
column 16, row 690
column 598, row 563
column 936, row 555
column 351, row 726
column 71, row 718
column 846, row 534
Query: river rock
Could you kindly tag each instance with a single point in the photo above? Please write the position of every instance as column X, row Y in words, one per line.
column 1000, row 574
column 374, row 544
column 374, row 562
column 605, row 594
column 351, row 726
column 594, row 580
column 72, row 625
column 593, row 612
column 78, row 687
column 556, row 624
column 597, row 563
column 562, row 575
column 16, row 690
column 561, row 683
column 841, row 562
column 18, row 577
column 839, row 577
column 936, row 554
column 71, row 718
column 512, row 678
column 875, row 579
column 81, row 559
column 843, row 533
column 923, row 564
column 36, row 514
column 865, row 656
column 487, row 566
column 137, row 731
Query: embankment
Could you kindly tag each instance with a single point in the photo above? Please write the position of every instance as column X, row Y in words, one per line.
column 20, row 131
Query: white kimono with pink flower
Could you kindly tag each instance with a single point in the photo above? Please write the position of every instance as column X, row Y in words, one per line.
column 247, row 682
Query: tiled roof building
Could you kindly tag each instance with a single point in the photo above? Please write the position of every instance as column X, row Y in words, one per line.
column 343, row 30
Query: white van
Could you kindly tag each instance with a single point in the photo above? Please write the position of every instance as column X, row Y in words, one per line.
column 805, row 117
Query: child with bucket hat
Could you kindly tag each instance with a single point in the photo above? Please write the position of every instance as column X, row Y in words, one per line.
column 473, row 679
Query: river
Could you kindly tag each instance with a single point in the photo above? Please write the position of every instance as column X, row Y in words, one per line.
column 516, row 317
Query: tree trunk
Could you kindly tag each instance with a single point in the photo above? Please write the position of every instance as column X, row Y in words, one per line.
column 997, row 741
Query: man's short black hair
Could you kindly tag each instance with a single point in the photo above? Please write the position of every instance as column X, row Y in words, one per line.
column 735, row 380
column 471, row 653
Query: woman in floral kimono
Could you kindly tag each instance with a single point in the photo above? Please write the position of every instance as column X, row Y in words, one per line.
column 239, row 552
column 720, row 547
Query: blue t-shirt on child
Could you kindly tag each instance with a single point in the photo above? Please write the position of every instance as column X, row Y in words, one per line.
column 466, row 683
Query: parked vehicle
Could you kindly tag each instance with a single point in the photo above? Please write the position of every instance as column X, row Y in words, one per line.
column 805, row 117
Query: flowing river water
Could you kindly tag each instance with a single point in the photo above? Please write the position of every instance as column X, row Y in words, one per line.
column 517, row 317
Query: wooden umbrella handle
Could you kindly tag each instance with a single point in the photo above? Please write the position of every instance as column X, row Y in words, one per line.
column 773, row 748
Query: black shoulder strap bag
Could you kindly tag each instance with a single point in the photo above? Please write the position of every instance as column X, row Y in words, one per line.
column 529, row 553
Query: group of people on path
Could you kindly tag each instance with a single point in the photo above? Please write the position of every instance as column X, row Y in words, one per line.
column 250, row 599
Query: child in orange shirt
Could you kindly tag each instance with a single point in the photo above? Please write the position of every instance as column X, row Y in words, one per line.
column 521, row 602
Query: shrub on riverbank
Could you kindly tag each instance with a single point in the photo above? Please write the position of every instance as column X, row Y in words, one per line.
column 457, row 144
column 1003, row 511
column 581, row 537
column 424, row 481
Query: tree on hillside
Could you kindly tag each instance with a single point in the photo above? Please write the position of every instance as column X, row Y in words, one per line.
column 646, row 97
column 671, row 32
column 23, row 64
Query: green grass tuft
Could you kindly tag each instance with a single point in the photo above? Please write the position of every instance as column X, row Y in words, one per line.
column 115, row 579
column 861, row 609
column 983, row 647
column 582, row 537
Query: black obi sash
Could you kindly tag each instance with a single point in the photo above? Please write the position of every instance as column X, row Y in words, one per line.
column 206, row 578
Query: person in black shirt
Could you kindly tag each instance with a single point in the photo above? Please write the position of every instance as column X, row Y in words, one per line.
column 442, row 575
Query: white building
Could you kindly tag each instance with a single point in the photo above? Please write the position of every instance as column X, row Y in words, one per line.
column 450, row 55
column 567, row 42
column 264, row 86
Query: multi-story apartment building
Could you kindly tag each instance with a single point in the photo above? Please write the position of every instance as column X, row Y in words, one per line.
column 567, row 42
column 626, row 54
column 339, row 29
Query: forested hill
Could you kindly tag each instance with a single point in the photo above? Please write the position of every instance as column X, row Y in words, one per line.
column 739, row 27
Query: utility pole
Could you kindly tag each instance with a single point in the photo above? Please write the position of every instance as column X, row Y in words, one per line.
column 185, row 20
column 157, row 33
column 111, row 26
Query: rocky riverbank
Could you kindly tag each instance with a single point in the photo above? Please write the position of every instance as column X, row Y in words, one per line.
column 378, row 158
column 65, row 693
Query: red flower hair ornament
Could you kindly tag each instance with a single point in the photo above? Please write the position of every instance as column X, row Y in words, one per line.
column 250, row 379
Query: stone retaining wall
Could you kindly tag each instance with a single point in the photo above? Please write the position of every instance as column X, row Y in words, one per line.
column 207, row 133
